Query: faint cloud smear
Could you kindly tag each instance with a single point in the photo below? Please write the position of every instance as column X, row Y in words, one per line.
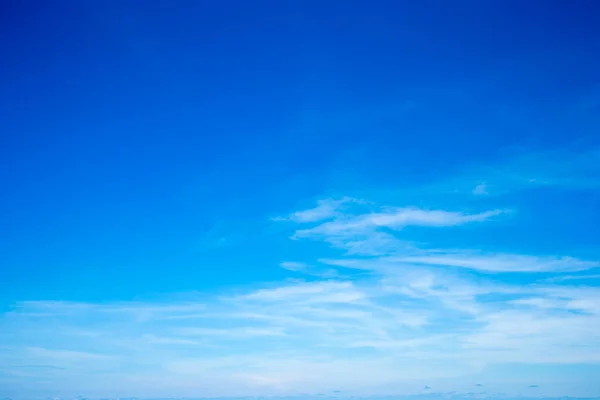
column 293, row 266
column 325, row 209
column 502, row 262
column 559, row 168
column 480, row 189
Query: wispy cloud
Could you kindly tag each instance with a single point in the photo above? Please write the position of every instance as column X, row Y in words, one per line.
column 325, row 209
column 321, row 292
column 310, row 270
column 294, row 266
column 395, row 219
column 480, row 189
column 501, row 262
column 139, row 310
column 380, row 308
column 169, row 340
column 65, row 355
column 368, row 229
column 573, row 278
column 240, row 333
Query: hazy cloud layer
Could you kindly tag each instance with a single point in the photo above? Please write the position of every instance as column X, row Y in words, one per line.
column 417, row 313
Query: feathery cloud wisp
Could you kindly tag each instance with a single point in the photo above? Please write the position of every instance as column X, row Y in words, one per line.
column 391, row 309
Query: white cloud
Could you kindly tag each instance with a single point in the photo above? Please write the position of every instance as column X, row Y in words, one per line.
column 540, row 302
column 369, row 230
column 168, row 340
column 65, row 355
column 319, row 292
column 501, row 262
column 477, row 261
column 394, row 310
column 394, row 219
column 536, row 336
column 573, row 278
column 236, row 332
column 415, row 322
column 133, row 309
column 310, row 270
column 325, row 209
column 293, row 266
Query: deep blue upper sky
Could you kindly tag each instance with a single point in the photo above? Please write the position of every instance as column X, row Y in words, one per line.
column 129, row 128
column 147, row 146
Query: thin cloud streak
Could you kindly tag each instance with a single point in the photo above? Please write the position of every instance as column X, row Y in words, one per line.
column 395, row 219
column 502, row 262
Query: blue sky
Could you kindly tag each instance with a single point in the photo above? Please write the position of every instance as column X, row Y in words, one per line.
column 300, row 198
